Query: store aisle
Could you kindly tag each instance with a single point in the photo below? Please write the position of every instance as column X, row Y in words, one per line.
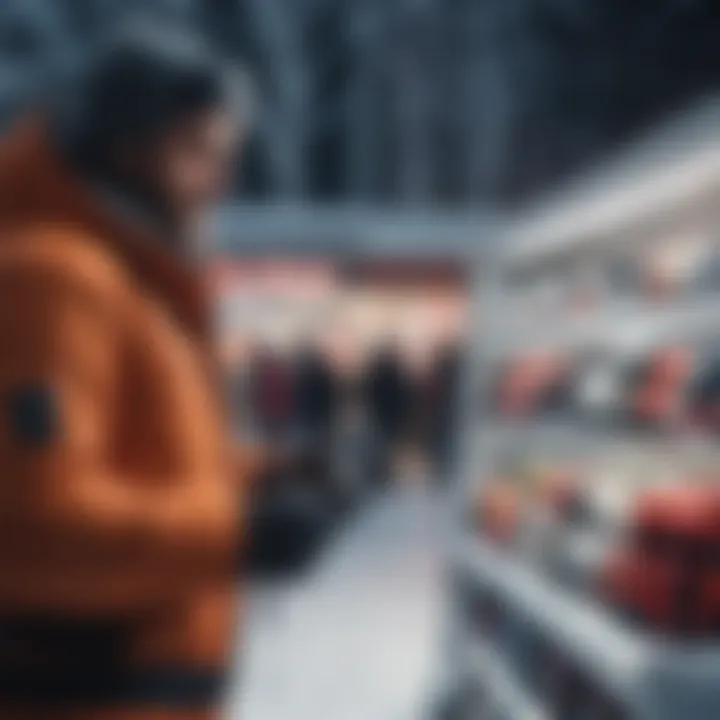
column 357, row 639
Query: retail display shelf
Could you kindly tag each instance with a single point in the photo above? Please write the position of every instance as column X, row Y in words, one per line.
column 628, row 193
column 569, row 435
column 594, row 368
column 500, row 690
column 622, row 330
column 654, row 679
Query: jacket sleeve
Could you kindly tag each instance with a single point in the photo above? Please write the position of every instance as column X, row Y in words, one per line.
column 77, row 533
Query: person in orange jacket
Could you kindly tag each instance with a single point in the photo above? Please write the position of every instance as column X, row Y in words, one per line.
column 119, row 504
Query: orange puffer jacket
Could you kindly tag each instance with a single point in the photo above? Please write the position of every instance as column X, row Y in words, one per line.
column 119, row 502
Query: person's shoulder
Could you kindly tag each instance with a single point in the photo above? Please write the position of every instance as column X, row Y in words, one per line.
column 63, row 257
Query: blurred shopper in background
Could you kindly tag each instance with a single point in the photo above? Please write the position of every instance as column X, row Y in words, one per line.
column 352, row 444
column 119, row 510
column 272, row 391
column 387, row 397
column 316, row 392
column 444, row 402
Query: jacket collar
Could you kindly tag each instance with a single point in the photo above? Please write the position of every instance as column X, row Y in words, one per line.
column 38, row 186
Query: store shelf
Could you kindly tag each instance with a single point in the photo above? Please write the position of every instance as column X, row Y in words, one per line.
column 628, row 330
column 600, row 644
column 571, row 242
column 572, row 436
column 615, row 204
column 654, row 679
column 500, row 687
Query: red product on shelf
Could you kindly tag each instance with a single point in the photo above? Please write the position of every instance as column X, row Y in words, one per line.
column 499, row 512
column 642, row 588
column 668, row 578
column 658, row 395
column 528, row 381
column 516, row 386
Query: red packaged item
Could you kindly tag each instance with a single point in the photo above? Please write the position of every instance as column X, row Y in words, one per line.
column 499, row 512
column 658, row 396
column 667, row 577
column 530, row 381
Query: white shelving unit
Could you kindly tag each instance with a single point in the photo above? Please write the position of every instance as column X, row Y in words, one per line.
column 636, row 330
column 666, row 183
column 504, row 695
column 652, row 679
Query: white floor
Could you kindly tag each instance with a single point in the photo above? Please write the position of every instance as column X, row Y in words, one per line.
column 358, row 639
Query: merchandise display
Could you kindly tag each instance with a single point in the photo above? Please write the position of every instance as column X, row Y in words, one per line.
column 591, row 557
column 665, row 574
